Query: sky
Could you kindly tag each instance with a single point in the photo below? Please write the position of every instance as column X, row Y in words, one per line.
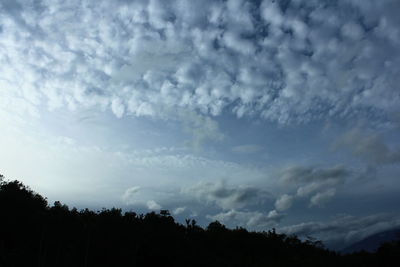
column 261, row 114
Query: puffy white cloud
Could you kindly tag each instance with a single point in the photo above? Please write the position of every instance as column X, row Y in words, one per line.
column 179, row 210
column 284, row 202
column 129, row 193
column 272, row 13
column 313, row 187
column 321, row 197
column 152, row 205
column 293, row 63
column 118, row 108
column 250, row 219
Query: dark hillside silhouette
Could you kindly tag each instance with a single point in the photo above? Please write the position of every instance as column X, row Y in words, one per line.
column 373, row 242
column 32, row 233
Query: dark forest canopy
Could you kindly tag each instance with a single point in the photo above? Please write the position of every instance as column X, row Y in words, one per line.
column 33, row 233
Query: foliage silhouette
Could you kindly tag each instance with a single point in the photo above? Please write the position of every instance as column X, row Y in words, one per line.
column 32, row 233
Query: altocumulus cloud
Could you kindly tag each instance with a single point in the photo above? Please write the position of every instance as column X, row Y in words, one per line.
column 282, row 61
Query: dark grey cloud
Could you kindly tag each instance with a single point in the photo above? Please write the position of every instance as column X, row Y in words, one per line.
column 302, row 174
column 227, row 196
column 319, row 184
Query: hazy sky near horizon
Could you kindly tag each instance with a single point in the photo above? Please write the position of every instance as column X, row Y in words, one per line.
column 259, row 114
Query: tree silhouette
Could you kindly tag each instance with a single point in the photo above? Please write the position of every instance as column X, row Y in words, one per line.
column 32, row 233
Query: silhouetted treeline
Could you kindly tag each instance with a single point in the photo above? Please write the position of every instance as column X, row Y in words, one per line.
column 32, row 233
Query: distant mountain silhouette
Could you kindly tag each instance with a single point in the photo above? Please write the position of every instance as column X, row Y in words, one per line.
column 373, row 242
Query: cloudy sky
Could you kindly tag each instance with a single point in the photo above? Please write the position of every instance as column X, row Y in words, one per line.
column 255, row 113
